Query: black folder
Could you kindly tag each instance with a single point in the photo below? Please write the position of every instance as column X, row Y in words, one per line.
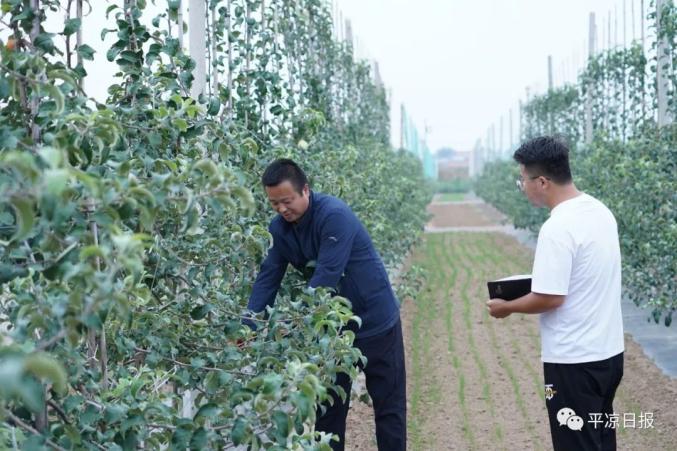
column 510, row 288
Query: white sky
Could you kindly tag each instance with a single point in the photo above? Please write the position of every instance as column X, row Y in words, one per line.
column 459, row 65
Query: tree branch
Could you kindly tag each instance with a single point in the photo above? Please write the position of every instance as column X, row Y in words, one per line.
column 30, row 429
column 59, row 411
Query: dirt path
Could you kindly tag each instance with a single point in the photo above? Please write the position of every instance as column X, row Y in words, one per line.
column 477, row 383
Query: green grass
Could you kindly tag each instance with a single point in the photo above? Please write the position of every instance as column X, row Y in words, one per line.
column 467, row 256
column 450, row 197
column 420, row 349
column 490, row 260
column 453, row 263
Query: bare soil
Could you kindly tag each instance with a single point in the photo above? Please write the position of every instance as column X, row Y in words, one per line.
column 474, row 382
column 458, row 214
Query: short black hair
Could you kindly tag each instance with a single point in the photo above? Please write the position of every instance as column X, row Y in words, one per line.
column 547, row 156
column 284, row 169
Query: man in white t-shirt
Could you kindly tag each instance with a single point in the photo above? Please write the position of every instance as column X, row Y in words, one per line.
column 576, row 289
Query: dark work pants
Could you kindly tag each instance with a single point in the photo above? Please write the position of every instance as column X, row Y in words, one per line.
column 585, row 388
column 386, row 384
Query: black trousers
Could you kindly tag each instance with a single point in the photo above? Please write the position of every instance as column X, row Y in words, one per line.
column 386, row 384
column 584, row 390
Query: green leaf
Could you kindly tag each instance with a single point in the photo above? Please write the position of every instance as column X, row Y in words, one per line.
column 86, row 52
column 10, row 272
column 171, row 47
column 197, row 362
column 128, row 56
column 72, row 403
column 62, row 75
column 32, row 393
column 181, row 437
column 303, row 404
column 44, row 42
column 180, row 124
column 73, row 434
column 200, row 439
column 239, row 433
column 216, row 380
column 281, row 421
column 209, row 410
column 44, row 366
column 56, row 95
column 56, row 181
column 246, row 198
column 143, row 194
column 200, row 311
column 110, row 9
column 23, row 208
column 71, row 26
column 5, row 89
column 114, row 413
column 52, row 156
column 91, row 251
column 214, row 106
column 34, row 443
column 207, row 167
column 105, row 31
column 112, row 53
column 271, row 383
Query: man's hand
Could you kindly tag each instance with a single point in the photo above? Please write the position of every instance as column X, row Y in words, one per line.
column 497, row 308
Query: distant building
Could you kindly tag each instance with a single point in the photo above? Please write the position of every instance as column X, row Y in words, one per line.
column 452, row 164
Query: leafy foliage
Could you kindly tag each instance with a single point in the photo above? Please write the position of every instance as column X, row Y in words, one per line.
column 630, row 165
column 131, row 231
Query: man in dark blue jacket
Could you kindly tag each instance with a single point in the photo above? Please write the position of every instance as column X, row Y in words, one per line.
column 314, row 226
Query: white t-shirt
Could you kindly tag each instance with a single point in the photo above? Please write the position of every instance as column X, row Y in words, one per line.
column 578, row 255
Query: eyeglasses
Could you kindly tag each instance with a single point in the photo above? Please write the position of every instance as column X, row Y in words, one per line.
column 520, row 181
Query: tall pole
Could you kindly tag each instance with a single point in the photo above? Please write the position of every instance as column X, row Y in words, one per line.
column 632, row 16
column 641, row 22
column 624, row 120
column 520, row 131
column 641, row 28
column 180, row 24
column 340, row 27
column 664, row 63
column 550, row 83
column 402, row 125
column 588, row 97
column 625, row 42
column 609, row 31
column 500, row 137
column 215, row 67
column 615, row 26
column 197, row 45
column 349, row 34
column 510, row 127
column 488, row 146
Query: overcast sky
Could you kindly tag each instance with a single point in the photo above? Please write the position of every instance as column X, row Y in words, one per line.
column 459, row 65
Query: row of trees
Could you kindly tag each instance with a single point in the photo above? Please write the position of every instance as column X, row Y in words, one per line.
column 628, row 161
column 131, row 229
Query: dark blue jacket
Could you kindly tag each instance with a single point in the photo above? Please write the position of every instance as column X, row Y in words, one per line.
column 346, row 260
